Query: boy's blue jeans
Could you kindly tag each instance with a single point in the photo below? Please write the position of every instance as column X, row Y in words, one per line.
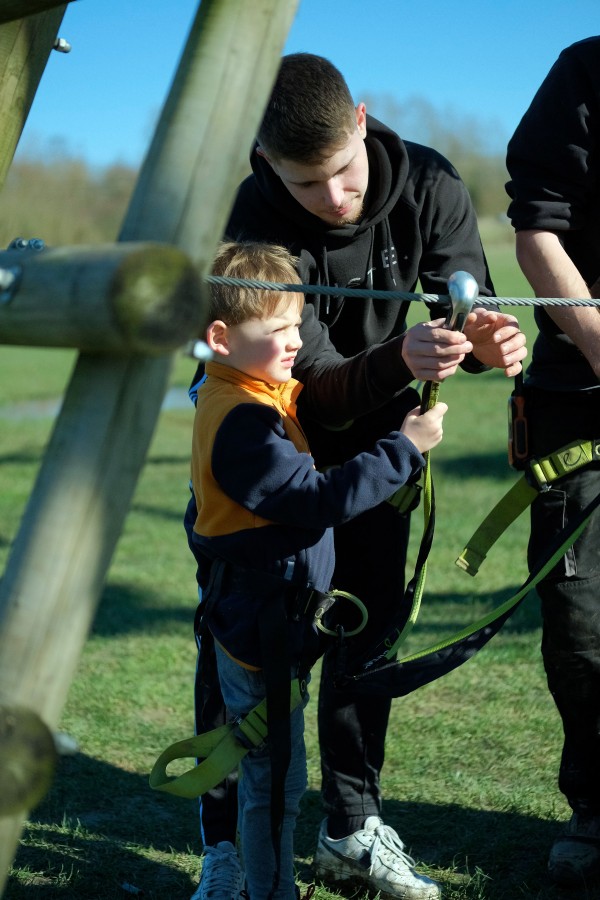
column 242, row 690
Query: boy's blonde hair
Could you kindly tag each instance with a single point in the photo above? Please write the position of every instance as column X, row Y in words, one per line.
column 255, row 261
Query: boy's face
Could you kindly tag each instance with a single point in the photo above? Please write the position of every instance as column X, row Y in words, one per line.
column 266, row 348
column 334, row 189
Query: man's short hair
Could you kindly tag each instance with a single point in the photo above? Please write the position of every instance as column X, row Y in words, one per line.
column 254, row 261
column 310, row 114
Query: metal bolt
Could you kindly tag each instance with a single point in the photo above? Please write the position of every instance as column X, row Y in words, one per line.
column 9, row 279
column 21, row 243
column 199, row 350
column 62, row 45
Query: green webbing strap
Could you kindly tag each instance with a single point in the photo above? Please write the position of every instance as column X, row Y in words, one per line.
column 542, row 472
column 513, row 601
column 431, row 392
column 220, row 750
column 518, row 498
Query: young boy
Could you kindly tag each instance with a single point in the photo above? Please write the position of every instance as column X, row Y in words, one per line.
column 263, row 510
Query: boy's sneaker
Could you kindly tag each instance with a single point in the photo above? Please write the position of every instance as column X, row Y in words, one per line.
column 575, row 855
column 372, row 858
column 222, row 876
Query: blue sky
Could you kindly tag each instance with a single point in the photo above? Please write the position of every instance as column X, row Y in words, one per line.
column 467, row 58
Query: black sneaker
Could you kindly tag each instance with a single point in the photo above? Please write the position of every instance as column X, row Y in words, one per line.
column 575, row 855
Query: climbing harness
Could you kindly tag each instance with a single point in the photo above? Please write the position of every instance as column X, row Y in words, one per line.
column 220, row 750
column 388, row 678
column 539, row 475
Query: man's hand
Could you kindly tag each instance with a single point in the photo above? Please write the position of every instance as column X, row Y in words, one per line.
column 432, row 352
column 497, row 340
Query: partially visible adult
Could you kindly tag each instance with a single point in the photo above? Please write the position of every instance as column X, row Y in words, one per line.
column 361, row 208
column 554, row 164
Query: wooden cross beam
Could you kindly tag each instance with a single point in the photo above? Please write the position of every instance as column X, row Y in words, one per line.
column 111, row 298
column 20, row 9
column 83, row 491
column 25, row 45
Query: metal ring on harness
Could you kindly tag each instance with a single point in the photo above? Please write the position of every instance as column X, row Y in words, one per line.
column 321, row 610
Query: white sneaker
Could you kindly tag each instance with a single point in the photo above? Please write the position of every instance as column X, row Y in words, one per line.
column 222, row 876
column 372, row 858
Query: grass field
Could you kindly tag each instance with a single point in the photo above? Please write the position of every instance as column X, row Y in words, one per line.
column 470, row 775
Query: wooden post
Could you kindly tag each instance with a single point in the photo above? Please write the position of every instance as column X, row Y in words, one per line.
column 19, row 9
column 100, row 439
column 25, row 45
column 115, row 298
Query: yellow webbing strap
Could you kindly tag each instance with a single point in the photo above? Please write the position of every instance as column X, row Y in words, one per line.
column 518, row 498
column 543, row 471
column 490, row 617
column 430, row 398
column 220, row 751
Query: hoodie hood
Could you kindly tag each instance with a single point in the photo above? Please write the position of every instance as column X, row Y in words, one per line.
column 388, row 171
column 351, row 255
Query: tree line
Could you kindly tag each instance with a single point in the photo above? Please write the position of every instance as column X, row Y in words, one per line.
column 55, row 195
column 476, row 148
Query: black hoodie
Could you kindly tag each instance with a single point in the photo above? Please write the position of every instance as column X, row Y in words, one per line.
column 418, row 225
column 553, row 161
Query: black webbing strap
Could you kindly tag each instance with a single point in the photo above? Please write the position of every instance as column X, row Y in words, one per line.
column 396, row 679
column 277, row 664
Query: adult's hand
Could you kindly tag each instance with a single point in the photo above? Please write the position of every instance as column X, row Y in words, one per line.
column 497, row 340
column 432, row 352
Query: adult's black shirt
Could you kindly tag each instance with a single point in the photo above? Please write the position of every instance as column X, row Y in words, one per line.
column 553, row 162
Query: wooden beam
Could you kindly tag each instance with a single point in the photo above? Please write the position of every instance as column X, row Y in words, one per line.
column 25, row 46
column 209, row 122
column 100, row 439
column 20, row 9
column 114, row 298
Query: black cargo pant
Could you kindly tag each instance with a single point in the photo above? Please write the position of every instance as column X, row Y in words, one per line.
column 370, row 562
column 570, row 593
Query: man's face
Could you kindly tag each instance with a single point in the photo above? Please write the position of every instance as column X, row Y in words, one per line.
column 334, row 189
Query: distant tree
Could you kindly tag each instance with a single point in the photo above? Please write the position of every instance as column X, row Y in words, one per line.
column 473, row 146
column 54, row 194
column 58, row 197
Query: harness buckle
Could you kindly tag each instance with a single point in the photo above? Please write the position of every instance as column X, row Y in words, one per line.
column 543, row 471
column 406, row 498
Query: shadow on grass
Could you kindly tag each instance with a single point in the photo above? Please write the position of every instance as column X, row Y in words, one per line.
column 125, row 610
column 452, row 612
column 101, row 827
column 477, row 465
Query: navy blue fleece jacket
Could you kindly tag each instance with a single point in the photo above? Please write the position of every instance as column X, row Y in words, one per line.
column 262, row 505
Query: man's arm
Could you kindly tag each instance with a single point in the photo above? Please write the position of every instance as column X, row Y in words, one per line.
column 551, row 273
column 337, row 389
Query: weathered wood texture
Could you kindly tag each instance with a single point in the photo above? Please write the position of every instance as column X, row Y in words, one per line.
column 114, row 298
column 20, row 9
column 25, row 45
column 84, row 488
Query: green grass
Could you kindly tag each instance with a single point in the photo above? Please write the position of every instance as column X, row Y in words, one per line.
column 470, row 773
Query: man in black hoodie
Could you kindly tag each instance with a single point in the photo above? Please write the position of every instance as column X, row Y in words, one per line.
column 360, row 208
column 554, row 163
